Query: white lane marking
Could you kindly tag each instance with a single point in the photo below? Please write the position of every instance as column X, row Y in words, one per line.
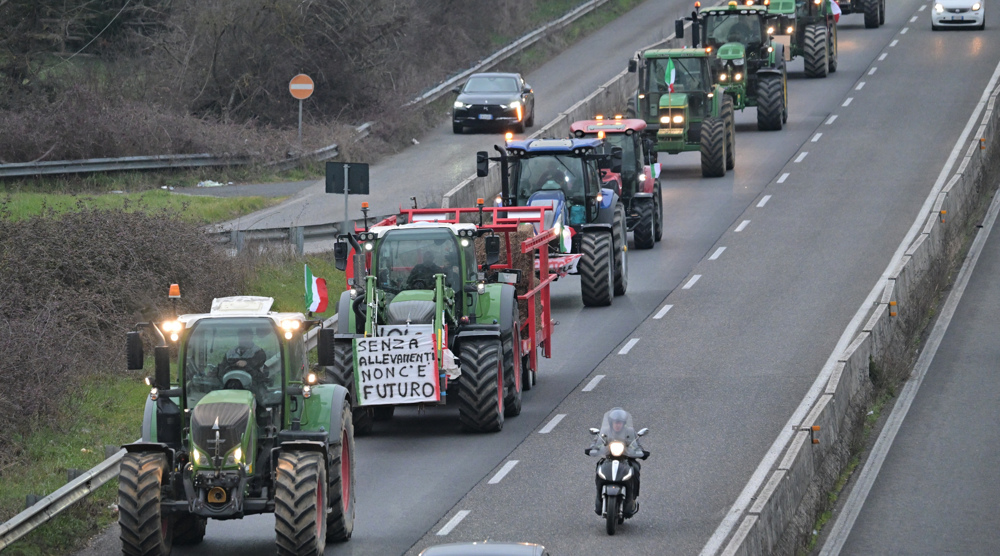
column 922, row 8
column 502, row 473
column 831, row 119
column 764, row 200
column 801, row 157
column 860, row 86
column 694, row 280
column 552, row 424
column 882, row 56
column 783, row 178
column 848, row 101
column 816, row 137
column 914, row 18
column 872, row 71
column 593, row 383
column 866, row 478
column 628, row 346
column 904, row 30
column 742, row 226
column 453, row 523
column 785, row 433
column 894, row 42
column 718, row 252
column 663, row 311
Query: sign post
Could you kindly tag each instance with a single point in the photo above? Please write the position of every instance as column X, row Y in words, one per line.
column 343, row 177
column 301, row 87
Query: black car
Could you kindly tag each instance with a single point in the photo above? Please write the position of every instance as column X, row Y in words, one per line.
column 494, row 100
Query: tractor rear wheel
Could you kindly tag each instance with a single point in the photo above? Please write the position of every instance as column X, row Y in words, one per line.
column 727, row 114
column 300, row 504
column 644, row 233
column 512, row 361
column 189, row 529
column 833, row 49
column 480, row 388
column 596, row 269
column 713, row 148
column 340, row 476
column 881, row 13
column 658, row 211
column 145, row 529
column 630, row 110
column 621, row 251
column 816, row 51
column 770, row 102
column 871, row 8
column 342, row 373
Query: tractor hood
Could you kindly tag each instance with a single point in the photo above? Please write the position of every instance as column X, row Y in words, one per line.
column 732, row 51
column 222, row 421
column 411, row 307
column 673, row 100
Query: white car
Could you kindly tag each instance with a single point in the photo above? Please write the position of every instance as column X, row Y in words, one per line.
column 958, row 13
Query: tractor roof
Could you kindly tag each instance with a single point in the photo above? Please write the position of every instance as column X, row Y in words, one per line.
column 427, row 221
column 241, row 306
column 546, row 146
column 675, row 53
column 734, row 8
column 608, row 126
column 783, row 7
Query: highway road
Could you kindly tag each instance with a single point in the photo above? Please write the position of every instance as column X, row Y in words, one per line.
column 808, row 221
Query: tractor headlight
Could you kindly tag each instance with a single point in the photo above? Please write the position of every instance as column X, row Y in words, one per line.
column 738, row 76
column 196, row 456
column 770, row 30
column 235, row 457
column 790, row 29
column 723, row 77
column 678, row 119
column 976, row 6
column 369, row 246
column 665, row 119
column 616, row 448
column 481, row 288
column 938, row 8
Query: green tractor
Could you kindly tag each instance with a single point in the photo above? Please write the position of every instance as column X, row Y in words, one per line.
column 246, row 429
column 807, row 28
column 684, row 108
column 874, row 11
column 748, row 63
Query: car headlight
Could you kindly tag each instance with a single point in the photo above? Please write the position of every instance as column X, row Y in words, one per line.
column 976, row 6
column 678, row 119
column 938, row 8
column 512, row 106
column 616, row 448
column 460, row 105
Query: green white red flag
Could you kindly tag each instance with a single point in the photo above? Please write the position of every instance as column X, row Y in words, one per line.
column 670, row 75
column 316, row 297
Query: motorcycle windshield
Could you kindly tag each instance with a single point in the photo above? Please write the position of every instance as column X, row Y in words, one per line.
column 617, row 427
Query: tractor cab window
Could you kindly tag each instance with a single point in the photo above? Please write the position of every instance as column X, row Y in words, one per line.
column 735, row 27
column 678, row 75
column 233, row 354
column 551, row 173
column 409, row 259
column 631, row 163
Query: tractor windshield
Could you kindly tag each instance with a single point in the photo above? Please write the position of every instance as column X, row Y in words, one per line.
column 628, row 147
column 553, row 173
column 678, row 75
column 732, row 27
column 233, row 354
column 408, row 259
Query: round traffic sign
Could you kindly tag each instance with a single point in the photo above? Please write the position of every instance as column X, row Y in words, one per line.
column 301, row 86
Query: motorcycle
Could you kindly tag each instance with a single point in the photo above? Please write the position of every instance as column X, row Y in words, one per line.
column 617, row 444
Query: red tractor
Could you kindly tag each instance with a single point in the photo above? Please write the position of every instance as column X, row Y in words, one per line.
column 640, row 184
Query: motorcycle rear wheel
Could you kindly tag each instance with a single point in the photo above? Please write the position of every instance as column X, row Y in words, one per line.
column 611, row 513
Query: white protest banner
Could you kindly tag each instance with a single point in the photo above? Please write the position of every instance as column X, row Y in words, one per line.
column 396, row 369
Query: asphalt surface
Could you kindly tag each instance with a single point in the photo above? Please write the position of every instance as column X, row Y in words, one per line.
column 719, row 374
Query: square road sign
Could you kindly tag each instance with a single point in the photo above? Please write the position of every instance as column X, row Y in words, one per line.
column 357, row 177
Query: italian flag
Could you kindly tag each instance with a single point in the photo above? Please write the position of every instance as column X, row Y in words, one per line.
column 316, row 298
column 670, row 75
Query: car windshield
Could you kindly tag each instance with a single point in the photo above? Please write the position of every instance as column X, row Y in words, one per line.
column 408, row 259
column 233, row 353
column 491, row 84
column 741, row 28
column 689, row 75
column 550, row 173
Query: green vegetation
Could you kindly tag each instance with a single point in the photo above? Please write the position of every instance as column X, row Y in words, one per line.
column 285, row 282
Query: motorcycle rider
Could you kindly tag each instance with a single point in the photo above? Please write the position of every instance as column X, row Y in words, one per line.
column 617, row 425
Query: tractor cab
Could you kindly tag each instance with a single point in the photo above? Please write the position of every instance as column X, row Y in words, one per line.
column 675, row 87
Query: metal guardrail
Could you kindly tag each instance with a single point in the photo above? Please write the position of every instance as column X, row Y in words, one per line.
column 92, row 479
column 515, row 47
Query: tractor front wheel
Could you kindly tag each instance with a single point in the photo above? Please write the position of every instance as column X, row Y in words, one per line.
column 729, row 117
column 512, row 361
column 770, row 103
column 871, row 8
column 342, row 373
column 596, row 269
column 340, row 474
column 480, row 388
column 713, row 148
column 145, row 529
column 817, row 52
column 644, row 233
column 300, row 504
column 658, row 211
column 621, row 251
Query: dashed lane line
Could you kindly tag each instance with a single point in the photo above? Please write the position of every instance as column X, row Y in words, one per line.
column 914, row 18
column 666, row 309
column 894, row 42
column 802, row 156
column 922, row 8
column 742, row 226
column 904, row 30
column 592, row 384
column 552, row 424
column 629, row 345
column 694, row 280
column 848, row 101
column 882, row 56
column 872, row 71
column 717, row 253
column 503, row 472
column 782, row 179
column 453, row 522
column 764, row 200
column 860, row 86
column 816, row 137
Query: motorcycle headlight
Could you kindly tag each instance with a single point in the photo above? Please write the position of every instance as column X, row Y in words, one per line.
column 938, row 8
column 616, row 448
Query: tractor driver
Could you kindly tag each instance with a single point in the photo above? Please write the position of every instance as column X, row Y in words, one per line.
column 422, row 275
column 246, row 356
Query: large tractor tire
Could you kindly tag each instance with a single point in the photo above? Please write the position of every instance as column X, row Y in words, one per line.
column 300, row 504
column 189, row 529
column 621, row 251
column 881, row 14
column 658, row 211
column 342, row 373
column 871, row 8
column 480, row 388
column 729, row 116
column 145, row 529
column 630, row 108
column 770, row 102
column 816, row 51
column 512, row 374
column 340, row 477
column 644, row 232
column 832, row 64
column 713, row 148
column 596, row 269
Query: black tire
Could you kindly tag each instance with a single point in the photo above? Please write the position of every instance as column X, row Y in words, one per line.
column 340, row 475
column 871, row 9
column 383, row 412
column 713, row 148
column 770, row 103
column 300, row 504
column 145, row 529
column 935, row 27
column 596, row 269
column 456, row 128
column 621, row 251
column 816, row 52
column 728, row 115
column 630, row 110
column 480, row 392
column 658, row 211
column 881, row 14
column 611, row 515
column 513, row 377
column 189, row 529
column 527, row 375
column 644, row 232
column 832, row 64
column 518, row 127
column 342, row 373
column 530, row 122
